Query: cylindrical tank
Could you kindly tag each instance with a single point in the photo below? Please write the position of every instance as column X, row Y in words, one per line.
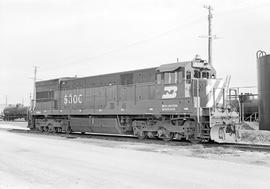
column 15, row 112
column 263, row 65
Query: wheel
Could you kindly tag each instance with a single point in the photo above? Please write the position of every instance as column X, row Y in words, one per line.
column 46, row 129
column 69, row 130
column 151, row 134
column 49, row 128
column 168, row 137
column 55, row 130
column 165, row 135
column 141, row 135
column 195, row 140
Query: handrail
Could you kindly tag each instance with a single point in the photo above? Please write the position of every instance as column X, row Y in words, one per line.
column 255, row 115
column 260, row 53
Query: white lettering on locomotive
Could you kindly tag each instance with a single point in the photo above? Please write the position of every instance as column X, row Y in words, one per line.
column 72, row 99
column 80, row 98
column 75, row 99
column 170, row 92
column 169, row 107
column 65, row 99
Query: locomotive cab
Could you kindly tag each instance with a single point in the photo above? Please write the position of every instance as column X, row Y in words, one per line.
column 194, row 94
column 180, row 71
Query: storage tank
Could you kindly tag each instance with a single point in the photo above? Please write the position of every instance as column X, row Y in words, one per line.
column 15, row 112
column 263, row 66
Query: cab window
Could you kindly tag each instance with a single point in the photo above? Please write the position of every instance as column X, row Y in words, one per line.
column 181, row 76
column 197, row 74
column 167, row 78
column 188, row 77
column 158, row 78
column 174, row 77
column 205, row 75
column 170, row 77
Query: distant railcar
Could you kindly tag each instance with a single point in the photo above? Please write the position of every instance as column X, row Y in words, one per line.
column 10, row 113
column 178, row 100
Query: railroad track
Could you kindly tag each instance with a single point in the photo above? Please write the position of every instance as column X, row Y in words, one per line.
column 130, row 138
column 248, row 147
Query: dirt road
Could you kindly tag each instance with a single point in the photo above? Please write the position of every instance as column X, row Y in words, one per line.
column 34, row 161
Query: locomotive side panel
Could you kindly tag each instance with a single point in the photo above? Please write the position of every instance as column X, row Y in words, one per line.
column 143, row 98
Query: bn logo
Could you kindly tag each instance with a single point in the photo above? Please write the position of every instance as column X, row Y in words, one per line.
column 72, row 99
column 170, row 92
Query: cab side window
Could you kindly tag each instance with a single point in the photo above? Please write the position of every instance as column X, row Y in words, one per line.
column 159, row 78
column 188, row 77
column 205, row 75
column 173, row 77
column 181, row 76
column 197, row 74
column 167, row 78
column 170, row 77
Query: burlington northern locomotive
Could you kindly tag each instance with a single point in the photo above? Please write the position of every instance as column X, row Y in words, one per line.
column 172, row 101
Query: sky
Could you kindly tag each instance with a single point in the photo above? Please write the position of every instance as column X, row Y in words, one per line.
column 80, row 37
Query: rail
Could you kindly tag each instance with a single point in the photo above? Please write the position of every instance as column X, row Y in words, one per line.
column 131, row 138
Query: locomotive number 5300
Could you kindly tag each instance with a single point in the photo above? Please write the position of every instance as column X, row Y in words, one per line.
column 72, row 99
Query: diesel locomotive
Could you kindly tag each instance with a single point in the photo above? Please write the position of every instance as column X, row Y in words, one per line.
column 181, row 100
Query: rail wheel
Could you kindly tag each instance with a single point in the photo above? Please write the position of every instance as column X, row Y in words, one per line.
column 69, row 130
column 46, row 129
column 138, row 131
column 195, row 140
column 165, row 135
column 55, row 129
column 168, row 137
column 141, row 135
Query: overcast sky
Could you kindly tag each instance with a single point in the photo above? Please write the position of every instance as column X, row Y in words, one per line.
column 82, row 37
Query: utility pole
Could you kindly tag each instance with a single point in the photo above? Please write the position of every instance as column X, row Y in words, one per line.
column 210, row 36
column 30, row 97
column 6, row 101
column 34, row 89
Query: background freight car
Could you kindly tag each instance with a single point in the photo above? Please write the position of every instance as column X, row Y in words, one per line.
column 12, row 112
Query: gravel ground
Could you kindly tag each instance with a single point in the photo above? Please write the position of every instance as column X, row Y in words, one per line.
column 39, row 161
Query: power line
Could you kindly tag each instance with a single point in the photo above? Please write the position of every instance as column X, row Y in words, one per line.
column 156, row 36
column 139, row 42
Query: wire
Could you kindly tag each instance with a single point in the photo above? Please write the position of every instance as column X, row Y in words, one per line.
column 125, row 47
column 155, row 36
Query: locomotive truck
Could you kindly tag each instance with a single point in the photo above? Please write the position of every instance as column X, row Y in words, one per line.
column 181, row 100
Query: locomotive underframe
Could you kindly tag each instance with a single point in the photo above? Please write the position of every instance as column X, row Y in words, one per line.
column 166, row 127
